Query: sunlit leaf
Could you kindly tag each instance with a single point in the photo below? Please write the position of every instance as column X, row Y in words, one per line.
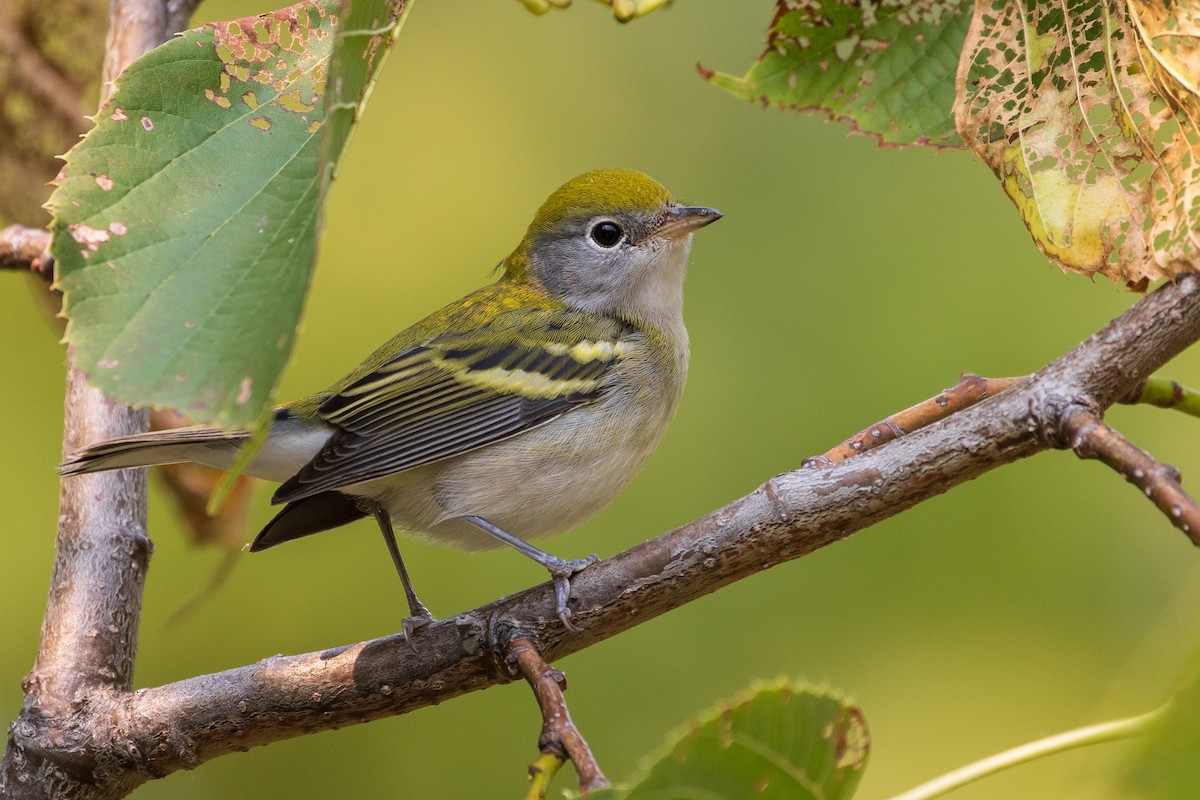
column 1087, row 112
column 784, row 740
column 887, row 69
column 185, row 222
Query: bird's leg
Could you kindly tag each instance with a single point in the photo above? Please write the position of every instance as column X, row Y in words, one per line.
column 419, row 615
column 560, row 569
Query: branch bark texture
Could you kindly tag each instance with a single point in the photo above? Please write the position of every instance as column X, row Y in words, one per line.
column 24, row 248
column 136, row 736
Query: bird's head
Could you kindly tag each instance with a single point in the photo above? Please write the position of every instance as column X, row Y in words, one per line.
column 612, row 241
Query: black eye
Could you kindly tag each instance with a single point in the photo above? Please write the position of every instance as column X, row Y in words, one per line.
column 607, row 233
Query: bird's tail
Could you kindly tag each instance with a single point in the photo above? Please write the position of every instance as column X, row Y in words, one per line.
column 210, row 446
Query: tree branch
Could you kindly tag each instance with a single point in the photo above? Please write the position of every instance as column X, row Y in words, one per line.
column 24, row 248
column 1091, row 437
column 560, row 738
column 969, row 390
column 180, row 725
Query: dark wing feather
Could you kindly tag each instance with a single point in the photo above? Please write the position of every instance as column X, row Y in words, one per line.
column 452, row 394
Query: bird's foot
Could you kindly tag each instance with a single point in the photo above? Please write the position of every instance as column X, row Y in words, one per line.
column 419, row 618
column 561, row 571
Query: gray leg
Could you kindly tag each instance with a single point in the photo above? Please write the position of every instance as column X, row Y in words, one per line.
column 560, row 569
column 419, row 614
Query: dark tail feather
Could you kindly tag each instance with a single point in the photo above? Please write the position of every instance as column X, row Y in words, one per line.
column 155, row 447
column 321, row 512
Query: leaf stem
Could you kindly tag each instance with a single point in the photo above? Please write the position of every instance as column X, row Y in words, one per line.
column 1166, row 393
column 541, row 775
column 1111, row 731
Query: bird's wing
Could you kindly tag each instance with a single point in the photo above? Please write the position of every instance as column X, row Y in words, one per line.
column 460, row 391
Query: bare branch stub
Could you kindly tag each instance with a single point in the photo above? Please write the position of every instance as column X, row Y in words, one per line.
column 1091, row 437
column 969, row 390
column 559, row 738
column 24, row 248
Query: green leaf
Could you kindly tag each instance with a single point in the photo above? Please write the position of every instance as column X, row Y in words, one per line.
column 1087, row 113
column 887, row 69
column 185, row 222
column 783, row 740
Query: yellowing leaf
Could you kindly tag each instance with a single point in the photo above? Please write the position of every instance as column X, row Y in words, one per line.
column 1087, row 112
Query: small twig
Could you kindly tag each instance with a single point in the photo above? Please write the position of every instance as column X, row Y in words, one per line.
column 560, row 738
column 28, row 249
column 1091, row 437
column 969, row 390
column 541, row 775
column 1164, row 393
column 1031, row 751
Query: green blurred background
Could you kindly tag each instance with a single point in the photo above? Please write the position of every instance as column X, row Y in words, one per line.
column 846, row 282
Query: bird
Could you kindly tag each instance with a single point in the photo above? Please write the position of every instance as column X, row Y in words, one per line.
column 512, row 414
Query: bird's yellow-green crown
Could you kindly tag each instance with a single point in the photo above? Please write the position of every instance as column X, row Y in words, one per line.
column 601, row 191
column 598, row 192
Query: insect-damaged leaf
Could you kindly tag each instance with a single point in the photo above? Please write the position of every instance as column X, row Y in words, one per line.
column 885, row 68
column 782, row 739
column 1086, row 111
column 185, row 222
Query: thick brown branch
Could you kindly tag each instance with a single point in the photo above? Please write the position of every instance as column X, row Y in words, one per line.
column 24, row 248
column 1091, row 437
column 560, row 738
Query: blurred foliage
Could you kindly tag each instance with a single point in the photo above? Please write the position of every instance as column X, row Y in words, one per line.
column 781, row 740
column 49, row 79
column 846, row 282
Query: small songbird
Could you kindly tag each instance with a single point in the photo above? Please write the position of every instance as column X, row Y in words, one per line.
column 514, row 413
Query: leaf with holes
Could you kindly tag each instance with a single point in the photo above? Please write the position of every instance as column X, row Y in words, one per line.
column 185, row 222
column 783, row 740
column 887, row 69
column 1087, row 112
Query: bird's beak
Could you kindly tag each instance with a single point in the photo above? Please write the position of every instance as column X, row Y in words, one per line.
column 678, row 221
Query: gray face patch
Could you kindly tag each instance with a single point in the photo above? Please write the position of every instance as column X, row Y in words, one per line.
column 637, row 276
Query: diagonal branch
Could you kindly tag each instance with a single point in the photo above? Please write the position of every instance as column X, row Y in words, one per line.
column 183, row 724
column 969, row 390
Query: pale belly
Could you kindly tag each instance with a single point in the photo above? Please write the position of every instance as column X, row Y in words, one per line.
column 540, row 483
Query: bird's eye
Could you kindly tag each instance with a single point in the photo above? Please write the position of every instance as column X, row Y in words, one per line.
column 607, row 233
